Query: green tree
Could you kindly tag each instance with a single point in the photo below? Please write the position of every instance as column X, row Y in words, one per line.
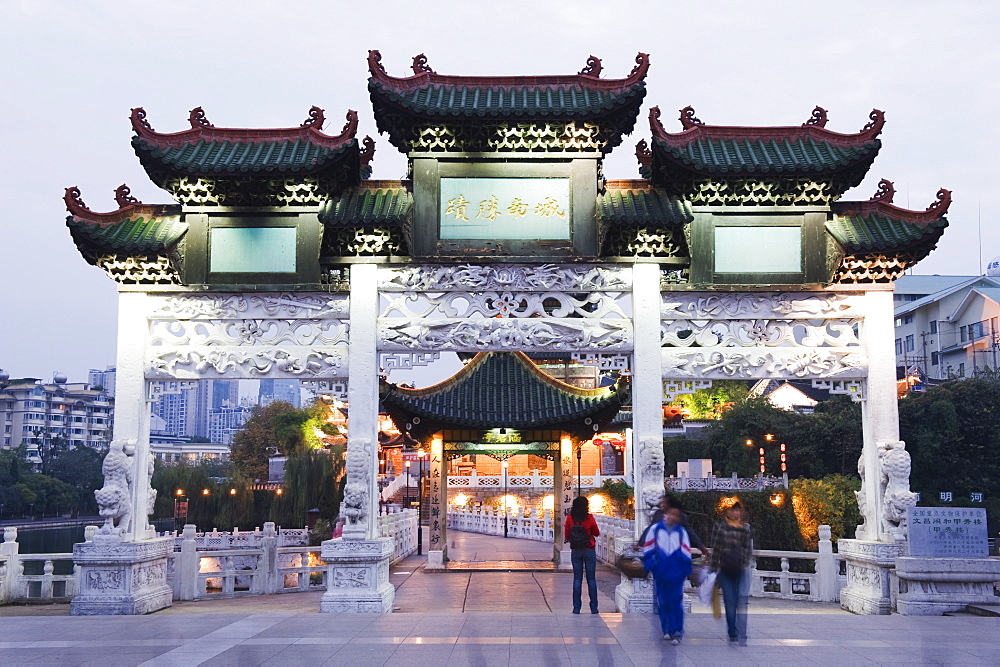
column 711, row 403
column 80, row 467
column 256, row 441
column 829, row 501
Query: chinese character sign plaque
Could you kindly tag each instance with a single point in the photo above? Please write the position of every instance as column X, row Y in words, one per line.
column 948, row 532
column 505, row 208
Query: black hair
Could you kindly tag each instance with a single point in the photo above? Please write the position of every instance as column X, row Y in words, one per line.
column 580, row 510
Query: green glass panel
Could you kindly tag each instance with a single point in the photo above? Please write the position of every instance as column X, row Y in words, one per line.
column 758, row 249
column 252, row 250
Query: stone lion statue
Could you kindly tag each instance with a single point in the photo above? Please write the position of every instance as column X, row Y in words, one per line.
column 115, row 497
column 897, row 496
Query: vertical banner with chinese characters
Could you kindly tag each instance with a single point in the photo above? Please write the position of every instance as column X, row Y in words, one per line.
column 505, row 208
column 437, row 493
column 568, row 480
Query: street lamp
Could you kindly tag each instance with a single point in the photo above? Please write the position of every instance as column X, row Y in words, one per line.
column 504, row 466
column 579, row 476
column 407, row 465
column 420, row 501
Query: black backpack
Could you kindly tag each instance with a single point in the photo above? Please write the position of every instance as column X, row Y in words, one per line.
column 579, row 538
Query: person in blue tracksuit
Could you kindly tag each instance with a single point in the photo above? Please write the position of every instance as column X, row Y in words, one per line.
column 666, row 554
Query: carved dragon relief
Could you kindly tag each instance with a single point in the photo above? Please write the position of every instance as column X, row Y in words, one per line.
column 575, row 335
column 248, row 332
column 593, row 305
column 790, row 305
column 246, row 362
column 759, row 332
column 239, row 306
column 750, row 363
column 505, row 277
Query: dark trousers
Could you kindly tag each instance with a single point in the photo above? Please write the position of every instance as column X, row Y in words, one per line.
column 670, row 605
column 734, row 596
column 584, row 559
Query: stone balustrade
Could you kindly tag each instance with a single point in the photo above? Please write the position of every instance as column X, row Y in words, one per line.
column 34, row 577
column 207, row 565
column 524, row 523
column 734, row 483
column 518, row 482
column 822, row 583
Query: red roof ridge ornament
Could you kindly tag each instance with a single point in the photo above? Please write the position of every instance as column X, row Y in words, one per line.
column 687, row 118
column 202, row 130
column 593, row 67
column 933, row 213
column 694, row 129
column 818, row 118
column 643, row 154
column 197, row 118
column 367, row 152
column 128, row 208
column 420, row 65
column 885, row 193
column 315, row 119
column 423, row 76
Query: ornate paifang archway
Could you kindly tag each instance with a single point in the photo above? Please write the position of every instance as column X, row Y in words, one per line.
column 282, row 259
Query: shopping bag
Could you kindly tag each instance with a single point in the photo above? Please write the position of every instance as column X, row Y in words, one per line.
column 706, row 588
column 716, row 603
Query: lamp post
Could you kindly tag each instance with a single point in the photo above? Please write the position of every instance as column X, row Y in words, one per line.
column 420, row 501
column 504, row 466
column 579, row 461
column 406, row 464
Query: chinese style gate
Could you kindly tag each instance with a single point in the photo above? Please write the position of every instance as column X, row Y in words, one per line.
column 731, row 258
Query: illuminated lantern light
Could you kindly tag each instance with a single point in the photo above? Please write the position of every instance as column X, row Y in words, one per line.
column 782, row 458
column 548, row 502
column 597, row 502
column 761, row 451
column 782, row 446
column 783, row 469
column 461, row 499
column 762, row 460
column 762, row 468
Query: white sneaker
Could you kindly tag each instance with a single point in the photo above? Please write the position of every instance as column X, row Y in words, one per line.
column 667, row 637
column 675, row 641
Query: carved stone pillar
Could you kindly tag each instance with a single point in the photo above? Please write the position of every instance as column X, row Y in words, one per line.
column 357, row 571
column 437, row 499
column 636, row 595
column 118, row 577
column 566, row 492
column 871, row 558
column 123, row 570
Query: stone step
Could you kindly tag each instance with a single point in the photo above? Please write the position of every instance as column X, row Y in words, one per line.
column 499, row 566
column 984, row 609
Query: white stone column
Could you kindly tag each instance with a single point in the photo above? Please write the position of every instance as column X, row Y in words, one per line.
column 437, row 500
column 566, row 492
column 647, row 393
column 127, row 573
column 357, row 571
column 871, row 557
column 636, row 595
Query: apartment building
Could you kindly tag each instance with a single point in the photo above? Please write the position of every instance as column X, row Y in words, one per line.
column 32, row 411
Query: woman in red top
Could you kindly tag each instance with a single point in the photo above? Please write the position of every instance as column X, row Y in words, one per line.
column 582, row 543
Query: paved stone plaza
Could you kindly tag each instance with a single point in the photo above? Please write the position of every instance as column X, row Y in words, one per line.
column 482, row 618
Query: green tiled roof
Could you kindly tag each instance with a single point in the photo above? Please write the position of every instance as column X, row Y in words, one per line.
column 575, row 96
column 130, row 236
column 371, row 203
column 205, row 158
column 877, row 232
column 636, row 204
column 501, row 389
column 527, row 101
column 767, row 156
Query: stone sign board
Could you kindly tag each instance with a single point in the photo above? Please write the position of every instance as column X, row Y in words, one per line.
column 947, row 532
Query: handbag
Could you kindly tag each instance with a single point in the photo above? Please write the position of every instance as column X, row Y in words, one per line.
column 706, row 588
column 630, row 563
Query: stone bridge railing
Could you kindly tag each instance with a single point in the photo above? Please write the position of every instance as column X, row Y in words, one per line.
column 518, row 482
column 34, row 577
column 734, row 483
column 524, row 523
column 203, row 565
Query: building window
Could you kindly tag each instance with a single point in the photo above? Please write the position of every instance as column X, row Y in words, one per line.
column 935, row 358
column 909, row 343
column 899, row 346
column 961, row 370
column 933, row 326
column 907, row 319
